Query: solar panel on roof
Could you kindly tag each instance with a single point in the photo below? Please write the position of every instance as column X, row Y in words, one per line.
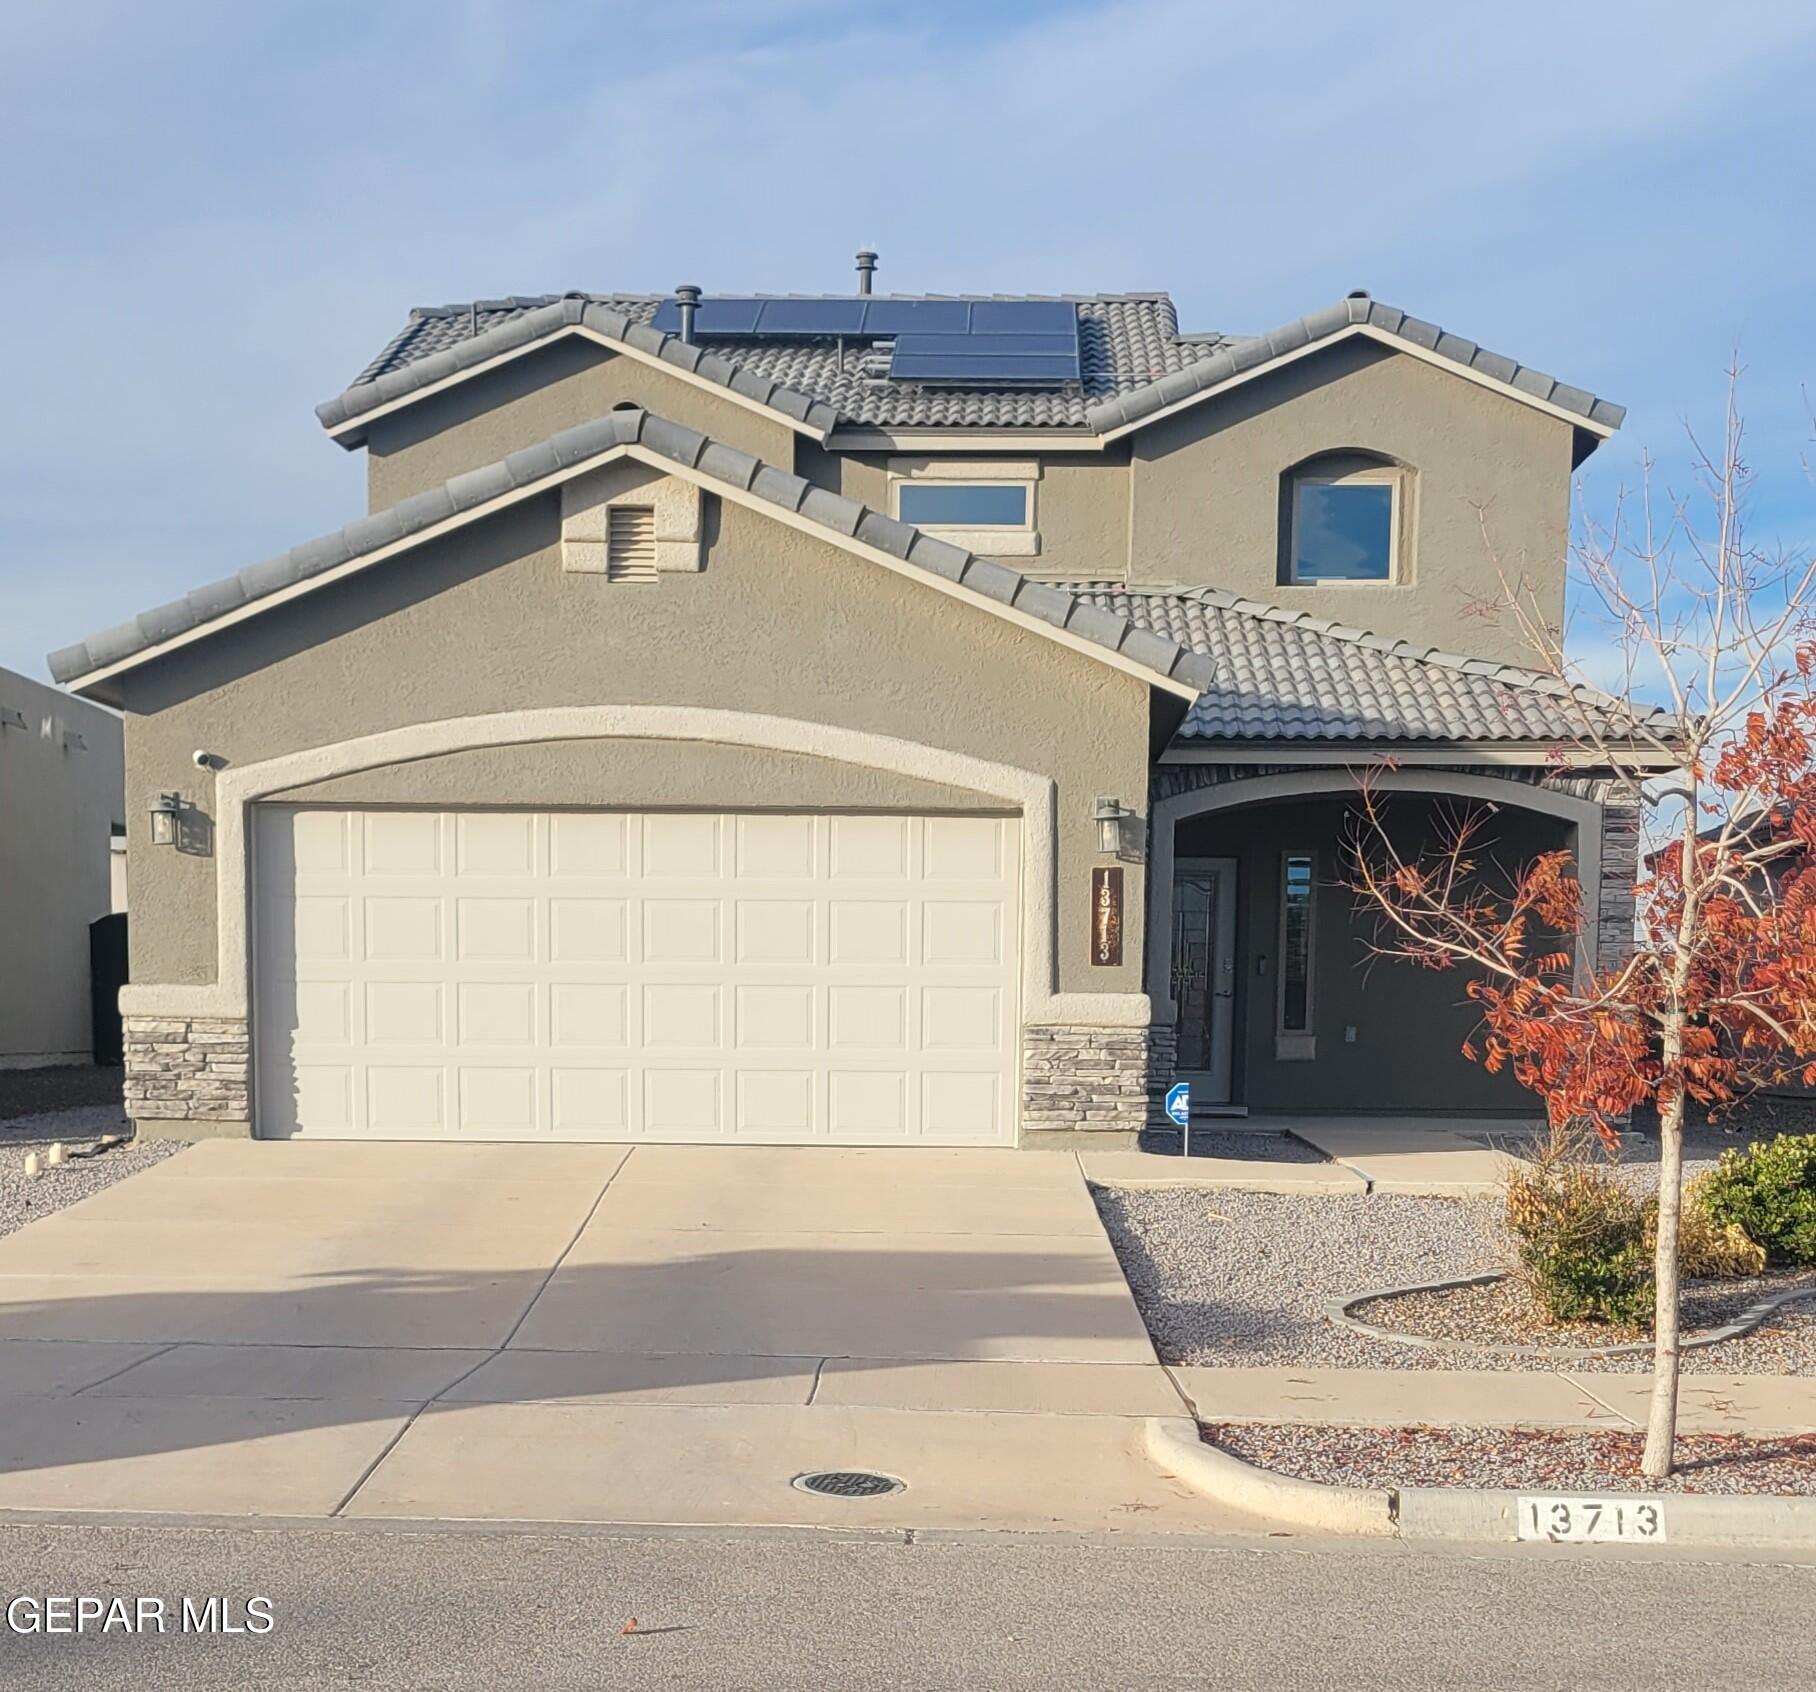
column 811, row 317
column 1024, row 317
column 906, row 317
column 1006, row 343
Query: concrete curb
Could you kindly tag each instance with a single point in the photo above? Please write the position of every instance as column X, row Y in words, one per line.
column 1340, row 1311
column 1763, row 1521
column 1174, row 1446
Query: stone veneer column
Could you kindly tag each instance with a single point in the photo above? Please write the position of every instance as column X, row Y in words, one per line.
column 1620, row 870
column 1089, row 1085
column 187, row 1077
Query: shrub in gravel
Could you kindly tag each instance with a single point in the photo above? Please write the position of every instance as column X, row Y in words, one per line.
column 1769, row 1192
column 1708, row 1250
column 1581, row 1239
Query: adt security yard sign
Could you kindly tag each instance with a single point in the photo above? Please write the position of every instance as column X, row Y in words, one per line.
column 1179, row 1107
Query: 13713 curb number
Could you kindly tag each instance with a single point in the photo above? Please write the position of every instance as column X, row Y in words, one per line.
column 1578, row 1521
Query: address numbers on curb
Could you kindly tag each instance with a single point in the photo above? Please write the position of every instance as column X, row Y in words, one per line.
column 1582, row 1521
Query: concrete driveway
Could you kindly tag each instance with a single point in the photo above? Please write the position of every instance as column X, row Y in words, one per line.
column 583, row 1333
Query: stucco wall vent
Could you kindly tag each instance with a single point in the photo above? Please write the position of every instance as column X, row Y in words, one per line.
column 630, row 543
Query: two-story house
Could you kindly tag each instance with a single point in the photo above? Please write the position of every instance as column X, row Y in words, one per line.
column 864, row 719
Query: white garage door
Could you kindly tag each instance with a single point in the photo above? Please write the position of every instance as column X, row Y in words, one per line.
column 591, row 975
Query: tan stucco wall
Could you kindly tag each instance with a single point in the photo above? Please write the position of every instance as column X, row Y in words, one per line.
column 569, row 382
column 1396, row 1008
column 779, row 623
column 1206, row 493
column 57, row 811
column 637, row 775
column 1081, row 502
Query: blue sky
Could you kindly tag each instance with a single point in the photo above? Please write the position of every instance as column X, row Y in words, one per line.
column 214, row 214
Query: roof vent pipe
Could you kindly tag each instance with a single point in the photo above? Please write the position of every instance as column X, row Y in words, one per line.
column 866, row 270
column 687, row 297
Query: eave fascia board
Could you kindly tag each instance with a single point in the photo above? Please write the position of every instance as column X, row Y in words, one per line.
column 352, row 433
column 1512, row 753
column 668, row 466
column 1372, row 332
column 963, row 440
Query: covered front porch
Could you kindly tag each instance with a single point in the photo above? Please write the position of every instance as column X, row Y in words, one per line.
column 1263, row 971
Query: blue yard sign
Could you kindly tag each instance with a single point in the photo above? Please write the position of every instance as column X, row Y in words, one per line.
column 1179, row 1104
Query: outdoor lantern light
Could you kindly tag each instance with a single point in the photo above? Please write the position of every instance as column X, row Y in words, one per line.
column 1110, row 816
column 164, row 819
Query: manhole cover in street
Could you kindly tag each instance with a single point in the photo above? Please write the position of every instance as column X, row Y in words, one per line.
column 848, row 1483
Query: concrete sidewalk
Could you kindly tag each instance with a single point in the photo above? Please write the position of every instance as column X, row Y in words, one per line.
column 1744, row 1404
column 1419, row 1157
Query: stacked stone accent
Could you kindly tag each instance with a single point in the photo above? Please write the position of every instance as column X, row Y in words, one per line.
column 1620, row 870
column 187, row 1069
column 1079, row 1079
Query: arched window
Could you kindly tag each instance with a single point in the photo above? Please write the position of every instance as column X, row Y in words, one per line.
column 1345, row 518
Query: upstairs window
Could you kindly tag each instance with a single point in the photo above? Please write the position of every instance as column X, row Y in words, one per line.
column 963, row 505
column 1344, row 521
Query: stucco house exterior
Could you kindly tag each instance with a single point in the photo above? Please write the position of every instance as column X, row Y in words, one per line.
column 861, row 719
column 62, row 786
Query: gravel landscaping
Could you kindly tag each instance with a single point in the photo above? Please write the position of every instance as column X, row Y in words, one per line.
column 31, row 1092
column 1236, row 1279
column 1598, row 1462
column 24, row 1200
column 1507, row 1311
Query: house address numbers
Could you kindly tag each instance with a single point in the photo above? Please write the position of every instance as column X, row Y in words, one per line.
column 1106, row 916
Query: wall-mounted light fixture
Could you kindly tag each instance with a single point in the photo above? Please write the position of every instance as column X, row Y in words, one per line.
column 1111, row 817
column 11, row 719
column 164, row 814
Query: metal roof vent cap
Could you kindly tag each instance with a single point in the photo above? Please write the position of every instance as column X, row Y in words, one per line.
column 1358, row 294
column 866, row 269
column 687, row 298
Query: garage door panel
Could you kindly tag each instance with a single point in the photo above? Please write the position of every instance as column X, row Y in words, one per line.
column 782, row 978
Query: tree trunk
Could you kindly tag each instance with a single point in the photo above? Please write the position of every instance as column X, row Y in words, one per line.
column 1661, row 1422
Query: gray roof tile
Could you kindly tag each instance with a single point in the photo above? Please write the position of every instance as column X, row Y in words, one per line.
column 1269, row 673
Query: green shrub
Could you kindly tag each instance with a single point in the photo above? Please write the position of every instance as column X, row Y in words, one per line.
column 1768, row 1191
column 1708, row 1250
column 1582, row 1241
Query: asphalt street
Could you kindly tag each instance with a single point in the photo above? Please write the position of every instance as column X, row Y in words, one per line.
column 396, row 1607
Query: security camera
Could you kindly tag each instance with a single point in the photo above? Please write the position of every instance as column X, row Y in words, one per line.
column 205, row 760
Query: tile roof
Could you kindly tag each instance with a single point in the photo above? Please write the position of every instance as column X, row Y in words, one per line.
column 1355, row 311
column 1281, row 674
column 443, row 344
column 839, row 517
column 1126, row 342
column 1135, row 361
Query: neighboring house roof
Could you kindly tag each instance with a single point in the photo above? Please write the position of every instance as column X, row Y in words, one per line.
column 1130, row 645
column 1135, row 363
column 1286, row 675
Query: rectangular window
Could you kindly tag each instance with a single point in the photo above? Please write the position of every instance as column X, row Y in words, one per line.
column 963, row 505
column 1343, row 531
column 1296, row 943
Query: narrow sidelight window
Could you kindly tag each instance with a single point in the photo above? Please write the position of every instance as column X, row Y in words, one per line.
column 1296, row 943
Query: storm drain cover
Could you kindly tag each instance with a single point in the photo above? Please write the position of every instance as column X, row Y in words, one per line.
column 848, row 1483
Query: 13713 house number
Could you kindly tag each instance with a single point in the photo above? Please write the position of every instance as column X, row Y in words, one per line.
column 1579, row 1521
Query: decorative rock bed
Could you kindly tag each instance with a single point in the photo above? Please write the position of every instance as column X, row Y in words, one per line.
column 1597, row 1462
column 1731, row 1309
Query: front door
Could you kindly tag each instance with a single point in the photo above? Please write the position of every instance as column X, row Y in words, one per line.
column 1204, row 974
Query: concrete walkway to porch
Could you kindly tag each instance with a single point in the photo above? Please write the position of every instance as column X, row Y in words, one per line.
column 585, row 1333
column 1416, row 1156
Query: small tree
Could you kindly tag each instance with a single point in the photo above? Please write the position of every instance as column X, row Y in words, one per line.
column 1718, row 993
